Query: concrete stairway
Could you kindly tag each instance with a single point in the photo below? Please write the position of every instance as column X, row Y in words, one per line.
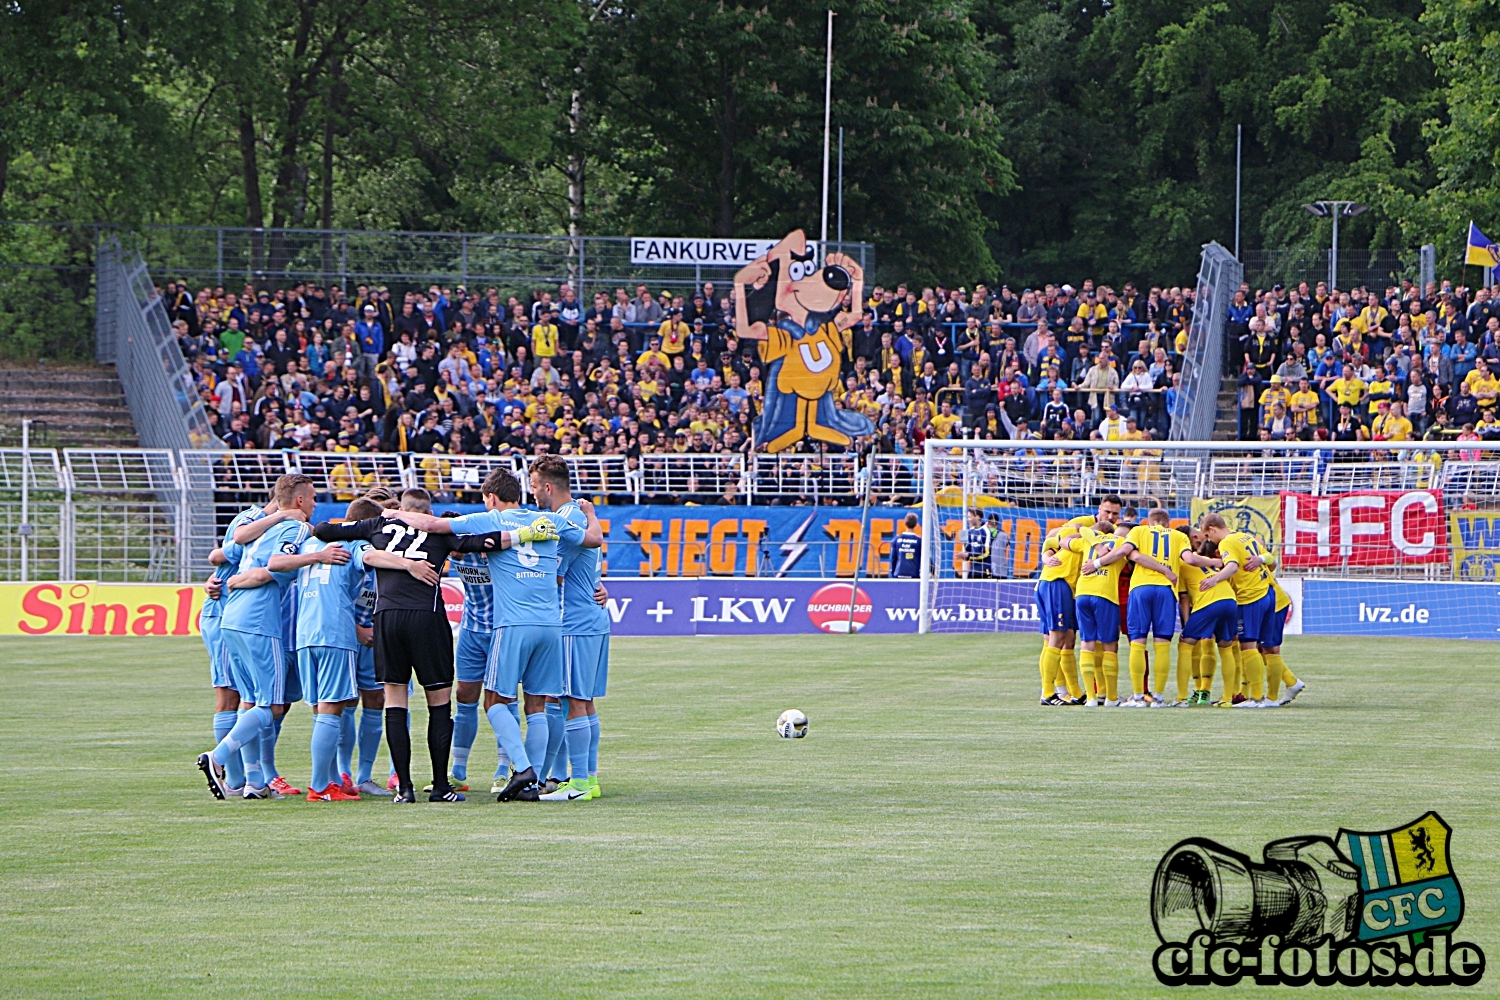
column 81, row 406
column 1227, row 417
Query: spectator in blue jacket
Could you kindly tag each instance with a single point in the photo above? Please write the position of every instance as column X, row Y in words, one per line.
column 371, row 336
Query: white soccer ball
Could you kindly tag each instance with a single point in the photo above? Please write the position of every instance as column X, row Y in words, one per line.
column 791, row 724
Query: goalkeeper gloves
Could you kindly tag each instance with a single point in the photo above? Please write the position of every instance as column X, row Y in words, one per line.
column 540, row 530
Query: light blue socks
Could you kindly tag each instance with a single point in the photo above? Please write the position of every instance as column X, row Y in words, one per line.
column 347, row 736
column 557, row 717
column 371, row 723
column 325, row 744
column 234, row 767
column 578, row 732
column 594, row 744
column 465, row 728
column 246, row 736
column 536, row 740
column 508, row 734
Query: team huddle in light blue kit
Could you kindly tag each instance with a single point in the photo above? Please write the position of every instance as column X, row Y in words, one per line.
column 349, row 616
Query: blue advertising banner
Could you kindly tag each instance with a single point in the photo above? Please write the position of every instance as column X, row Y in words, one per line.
column 769, row 606
column 1423, row 610
column 656, row 540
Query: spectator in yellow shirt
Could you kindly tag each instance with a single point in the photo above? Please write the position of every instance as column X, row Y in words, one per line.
column 1274, row 393
column 653, row 352
column 1304, row 405
column 1390, row 423
column 544, row 337
column 1347, row 390
column 674, row 333
column 1483, row 384
column 945, row 421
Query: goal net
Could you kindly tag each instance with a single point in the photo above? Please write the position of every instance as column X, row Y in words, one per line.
column 1365, row 532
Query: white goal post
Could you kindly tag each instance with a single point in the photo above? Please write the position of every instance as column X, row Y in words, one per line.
column 1024, row 484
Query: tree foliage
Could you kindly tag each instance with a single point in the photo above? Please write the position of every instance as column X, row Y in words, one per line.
column 1018, row 140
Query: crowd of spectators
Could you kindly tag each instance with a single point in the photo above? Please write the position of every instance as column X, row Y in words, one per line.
column 1410, row 364
column 462, row 371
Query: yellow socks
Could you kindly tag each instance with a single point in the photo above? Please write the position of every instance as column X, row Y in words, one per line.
column 1207, row 663
column 1255, row 672
column 1187, row 667
column 1069, row 672
column 1231, row 654
column 1137, row 668
column 1093, row 686
column 1276, row 663
column 1111, row 676
column 1050, row 663
column 1163, row 663
column 1273, row 678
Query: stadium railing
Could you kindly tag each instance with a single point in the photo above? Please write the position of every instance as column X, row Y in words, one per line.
column 155, row 514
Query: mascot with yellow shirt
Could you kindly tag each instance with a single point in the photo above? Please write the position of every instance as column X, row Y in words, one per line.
column 795, row 310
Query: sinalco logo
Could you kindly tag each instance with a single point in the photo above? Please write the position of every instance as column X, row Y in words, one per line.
column 1368, row 908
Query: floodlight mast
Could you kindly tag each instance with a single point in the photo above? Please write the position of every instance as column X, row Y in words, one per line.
column 1334, row 209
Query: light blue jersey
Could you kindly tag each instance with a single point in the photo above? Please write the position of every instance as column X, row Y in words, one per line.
column 523, row 577
column 473, row 568
column 327, row 595
column 233, row 552
column 258, row 610
column 364, row 605
column 245, row 516
column 580, row 574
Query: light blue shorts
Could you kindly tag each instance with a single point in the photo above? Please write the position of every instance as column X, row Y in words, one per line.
column 1255, row 618
column 1054, row 601
column 220, row 673
column 328, row 673
column 259, row 666
column 1152, row 608
column 1098, row 619
column 1219, row 621
column 587, row 659
column 471, row 657
column 529, row 656
column 364, row 670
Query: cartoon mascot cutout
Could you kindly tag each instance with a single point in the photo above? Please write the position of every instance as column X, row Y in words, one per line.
column 795, row 310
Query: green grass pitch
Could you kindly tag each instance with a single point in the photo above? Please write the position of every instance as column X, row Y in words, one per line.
column 937, row 835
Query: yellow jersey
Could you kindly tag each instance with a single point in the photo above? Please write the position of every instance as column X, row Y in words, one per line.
column 1250, row 585
column 1103, row 582
column 1160, row 543
column 1191, row 577
column 1068, row 563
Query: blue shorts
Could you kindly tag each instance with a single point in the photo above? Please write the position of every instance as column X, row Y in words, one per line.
column 259, row 666
column 364, row 670
column 220, row 673
column 1098, row 619
column 530, row 656
column 1255, row 618
column 587, row 661
column 328, row 673
column 1219, row 621
column 471, row 657
column 1276, row 628
column 1054, row 602
column 1152, row 608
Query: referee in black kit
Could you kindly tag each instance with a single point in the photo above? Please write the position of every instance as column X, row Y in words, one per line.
column 412, row 634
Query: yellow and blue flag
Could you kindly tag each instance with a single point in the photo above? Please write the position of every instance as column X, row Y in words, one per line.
column 1481, row 249
column 1406, row 879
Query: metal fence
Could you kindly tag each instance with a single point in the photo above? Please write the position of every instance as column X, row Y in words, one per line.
column 155, row 514
column 133, row 333
column 514, row 263
column 1194, row 412
column 1368, row 268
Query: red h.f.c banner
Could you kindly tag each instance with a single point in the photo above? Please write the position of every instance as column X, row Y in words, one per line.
column 1363, row 528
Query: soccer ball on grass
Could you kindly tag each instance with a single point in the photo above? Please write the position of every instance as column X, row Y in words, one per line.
column 791, row 724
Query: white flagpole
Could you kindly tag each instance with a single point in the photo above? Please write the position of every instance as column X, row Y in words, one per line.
column 827, row 121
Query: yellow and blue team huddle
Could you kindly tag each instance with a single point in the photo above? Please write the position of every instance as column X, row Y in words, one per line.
column 1213, row 587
